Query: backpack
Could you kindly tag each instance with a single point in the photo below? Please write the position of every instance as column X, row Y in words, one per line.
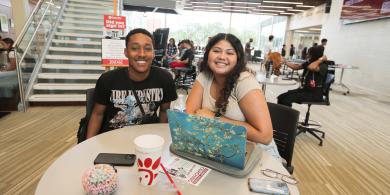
column 82, row 131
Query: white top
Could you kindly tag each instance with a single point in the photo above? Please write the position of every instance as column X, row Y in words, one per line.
column 246, row 83
column 63, row 177
column 269, row 46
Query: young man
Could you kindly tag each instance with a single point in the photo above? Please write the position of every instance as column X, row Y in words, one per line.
column 269, row 46
column 130, row 96
column 324, row 42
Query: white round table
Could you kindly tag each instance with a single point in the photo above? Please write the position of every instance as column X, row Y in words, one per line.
column 64, row 175
column 279, row 81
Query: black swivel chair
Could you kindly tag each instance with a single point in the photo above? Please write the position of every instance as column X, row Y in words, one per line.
column 256, row 56
column 284, row 121
column 82, row 132
column 313, row 128
column 185, row 76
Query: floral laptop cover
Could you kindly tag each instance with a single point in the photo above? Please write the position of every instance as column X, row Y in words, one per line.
column 208, row 138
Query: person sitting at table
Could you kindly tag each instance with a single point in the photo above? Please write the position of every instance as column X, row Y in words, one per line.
column 187, row 57
column 171, row 51
column 132, row 95
column 8, row 61
column 227, row 90
column 314, row 73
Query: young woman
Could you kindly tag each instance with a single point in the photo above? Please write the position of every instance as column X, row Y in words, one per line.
column 172, row 51
column 226, row 90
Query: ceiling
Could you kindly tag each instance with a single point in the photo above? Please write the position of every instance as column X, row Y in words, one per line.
column 260, row 7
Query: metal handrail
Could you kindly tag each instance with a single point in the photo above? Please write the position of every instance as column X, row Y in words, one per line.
column 28, row 22
column 22, row 92
column 50, row 37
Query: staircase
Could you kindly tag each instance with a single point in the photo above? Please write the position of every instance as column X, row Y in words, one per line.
column 73, row 61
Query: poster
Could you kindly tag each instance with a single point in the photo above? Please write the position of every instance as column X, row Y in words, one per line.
column 365, row 9
column 113, row 52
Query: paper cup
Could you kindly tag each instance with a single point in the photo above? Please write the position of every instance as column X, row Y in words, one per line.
column 148, row 150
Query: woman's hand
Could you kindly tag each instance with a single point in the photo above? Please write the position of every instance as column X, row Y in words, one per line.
column 204, row 112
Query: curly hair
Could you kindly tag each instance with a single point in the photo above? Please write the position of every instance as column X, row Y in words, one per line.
column 232, row 77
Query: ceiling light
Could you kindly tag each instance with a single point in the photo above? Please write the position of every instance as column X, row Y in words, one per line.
column 268, row 14
column 315, row 29
column 276, row 7
column 205, row 2
column 267, row 10
column 284, row 2
column 238, row 6
column 207, row 7
column 308, row 6
column 243, row 2
column 287, row 13
column 302, row 31
column 295, row 10
column 244, row 10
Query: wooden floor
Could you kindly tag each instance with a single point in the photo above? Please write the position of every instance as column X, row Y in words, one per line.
column 355, row 157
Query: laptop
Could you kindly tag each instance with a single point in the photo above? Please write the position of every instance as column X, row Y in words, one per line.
column 209, row 138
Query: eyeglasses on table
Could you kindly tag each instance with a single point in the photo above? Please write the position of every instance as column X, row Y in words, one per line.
column 274, row 174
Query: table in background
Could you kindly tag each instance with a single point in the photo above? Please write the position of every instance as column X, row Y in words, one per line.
column 279, row 81
column 343, row 67
column 64, row 175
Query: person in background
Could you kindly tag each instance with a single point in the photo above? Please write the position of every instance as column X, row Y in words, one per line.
column 314, row 74
column 8, row 60
column 171, row 51
column 227, row 90
column 292, row 51
column 187, row 57
column 248, row 50
column 304, row 53
column 315, row 44
column 269, row 46
column 283, row 51
column 132, row 95
column 324, row 42
column 268, row 50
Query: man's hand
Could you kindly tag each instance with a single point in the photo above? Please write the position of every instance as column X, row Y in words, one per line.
column 205, row 113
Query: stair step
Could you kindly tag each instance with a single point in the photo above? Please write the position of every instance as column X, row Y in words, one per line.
column 57, row 98
column 97, row 23
column 88, row 6
column 95, row 17
column 77, row 42
column 73, row 66
column 109, row 2
column 63, row 86
column 72, row 57
column 81, row 35
column 67, row 27
column 71, row 76
column 86, row 11
column 75, row 49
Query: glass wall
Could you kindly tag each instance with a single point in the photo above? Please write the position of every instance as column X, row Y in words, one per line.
column 198, row 26
column 275, row 26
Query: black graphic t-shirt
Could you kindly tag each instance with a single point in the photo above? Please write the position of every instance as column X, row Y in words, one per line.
column 115, row 90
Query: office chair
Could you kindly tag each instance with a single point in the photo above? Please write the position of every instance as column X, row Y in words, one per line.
column 284, row 121
column 256, row 56
column 185, row 76
column 82, row 131
column 313, row 128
